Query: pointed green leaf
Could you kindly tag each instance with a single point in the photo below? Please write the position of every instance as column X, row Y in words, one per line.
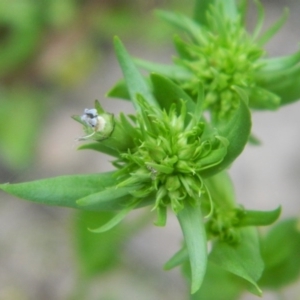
column 177, row 259
column 182, row 22
column 280, row 250
column 200, row 10
column 219, row 284
column 254, row 140
column 192, row 225
column 182, row 49
column 214, row 158
column 100, row 147
column 243, row 93
column 134, row 80
column 242, row 259
column 282, row 83
column 259, row 218
column 263, row 99
column 236, row 131
column 273, row 29
column 242, row 9
column 260, row 19
column 174, row 72
column 230, row 9
column 161, row 212
column 96, row 254
column 167, row 93
column 276, row 64
column 115, row 220
column 119, row 90
column 106, row 195
column 200, row 103
column 64, row 190
column 222, row 190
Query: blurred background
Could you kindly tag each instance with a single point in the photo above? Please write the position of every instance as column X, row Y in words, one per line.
column 56, row 58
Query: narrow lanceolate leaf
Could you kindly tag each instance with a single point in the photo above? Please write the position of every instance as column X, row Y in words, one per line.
column 236, row 131
column 200, row 11
column 192, row 225
column 259, row 218
column 273, row 29
column 177, row 259
column 242, row 10
column 230, row 8
column 119, row 90
column 174, row 72
column 263, row 99
column 96, row 255
column 200, row 103
column 222, row 190
column 242, row 259
column 167, row 93
column 62, row 190
column 134, row 80
column 182, row 48
column 260, row 19
column 106, row 195
column 282, row 83
column 215, row 157
column 182, row 22
column 114, row 220
column 101, row 147
column 281, row 63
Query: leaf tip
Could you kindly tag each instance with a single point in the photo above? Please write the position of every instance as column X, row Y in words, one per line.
column 95, row 230
column 3, row 185
column 117, row 42
column 80, row 202
column 195, row 287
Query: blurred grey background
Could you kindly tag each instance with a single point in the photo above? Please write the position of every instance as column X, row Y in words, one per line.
column 37, row 260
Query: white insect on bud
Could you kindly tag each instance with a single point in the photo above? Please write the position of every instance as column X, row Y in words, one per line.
column 96, row 123
column 92, row 119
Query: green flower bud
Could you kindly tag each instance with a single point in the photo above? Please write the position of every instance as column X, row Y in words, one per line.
column 221, row 54
column 184, row 167
column 98, row 124
column 172, row 183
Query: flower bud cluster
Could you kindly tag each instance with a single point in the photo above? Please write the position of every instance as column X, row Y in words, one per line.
column 223, row 224
column 224, row 56
column 168, row 157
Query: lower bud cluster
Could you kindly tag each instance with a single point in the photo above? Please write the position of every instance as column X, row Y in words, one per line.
column 169, row 154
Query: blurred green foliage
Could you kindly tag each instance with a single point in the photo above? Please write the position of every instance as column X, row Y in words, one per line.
column 21, row 113
column 95, row 254
column 53, row 45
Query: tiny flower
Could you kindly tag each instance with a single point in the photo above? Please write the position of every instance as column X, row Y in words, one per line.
column 91, row 118
column 97, row 124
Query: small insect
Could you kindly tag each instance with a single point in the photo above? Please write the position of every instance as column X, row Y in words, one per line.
column 92, row 119
column 153, row 172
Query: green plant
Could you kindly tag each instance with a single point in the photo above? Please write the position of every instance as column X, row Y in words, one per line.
column 192, row 120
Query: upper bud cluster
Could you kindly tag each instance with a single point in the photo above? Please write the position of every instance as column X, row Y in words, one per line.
column 223, row 56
